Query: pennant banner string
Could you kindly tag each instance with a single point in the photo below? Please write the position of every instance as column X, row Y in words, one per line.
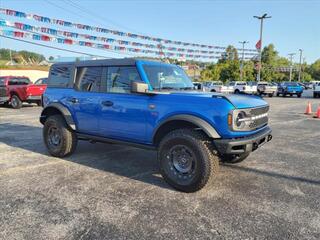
column 55, row 32
column 39, row 18
column 120, row 49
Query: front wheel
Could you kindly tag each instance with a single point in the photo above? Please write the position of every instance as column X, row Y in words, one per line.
column 233, row 158
column 187, row 159
column 58, row 138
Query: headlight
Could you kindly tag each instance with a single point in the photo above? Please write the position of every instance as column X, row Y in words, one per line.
column 239, row 120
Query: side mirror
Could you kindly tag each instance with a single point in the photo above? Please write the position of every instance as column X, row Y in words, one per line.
column 139, row 87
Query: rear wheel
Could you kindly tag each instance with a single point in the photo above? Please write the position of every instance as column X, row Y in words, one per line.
column 58, row 138
column 39, row 103
column 187, row 159
column 237, row 91
column 15, row 102
column 270, row 94
column 299, row 95
column 278, row 94
column 233, row 158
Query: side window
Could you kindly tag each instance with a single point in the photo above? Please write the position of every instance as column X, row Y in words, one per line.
column 119, row 79
column 2, row 79
column 59, row 76
column 88, row 79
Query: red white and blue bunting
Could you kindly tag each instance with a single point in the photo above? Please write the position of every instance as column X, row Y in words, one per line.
column 64, row 23
column 120, row 49
column 74, row 35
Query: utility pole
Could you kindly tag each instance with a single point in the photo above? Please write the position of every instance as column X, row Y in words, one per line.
column 291, row 58
column 242, row 60
column 264, row 16
column 299, row 78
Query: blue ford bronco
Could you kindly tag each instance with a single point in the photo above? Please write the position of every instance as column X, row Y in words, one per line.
column 152, row 105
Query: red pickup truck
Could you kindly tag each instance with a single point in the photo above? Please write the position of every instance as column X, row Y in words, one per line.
column 16, row 90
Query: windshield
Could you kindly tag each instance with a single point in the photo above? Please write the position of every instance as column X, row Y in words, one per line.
column 41, row 81
column 167, row 77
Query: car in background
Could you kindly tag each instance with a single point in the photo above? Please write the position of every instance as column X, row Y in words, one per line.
column 41, row 81
column 289, row 88
column 217, row 86
column 242, row 87
column 265, row 88
column 16, row 90
column 316, row 91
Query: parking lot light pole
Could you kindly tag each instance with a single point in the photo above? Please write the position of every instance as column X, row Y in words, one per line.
column 291, row 58
column 264, row 16
column 299, row 78
column 242, row 60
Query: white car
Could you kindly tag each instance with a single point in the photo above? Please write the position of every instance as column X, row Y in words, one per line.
column 217, row 86
column 265, row 88
column 316, row 91
column 243, row 87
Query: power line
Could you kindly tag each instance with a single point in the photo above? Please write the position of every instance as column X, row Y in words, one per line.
column 91, row 13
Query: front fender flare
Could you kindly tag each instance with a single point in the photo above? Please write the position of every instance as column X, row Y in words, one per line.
column 62, row 109
column 204, row 125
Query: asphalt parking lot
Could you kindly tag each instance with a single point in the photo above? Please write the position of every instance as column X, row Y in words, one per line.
column 115, row 192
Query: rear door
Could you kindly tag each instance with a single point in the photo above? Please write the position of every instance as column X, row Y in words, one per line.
column 84, row 99
column 123, row 114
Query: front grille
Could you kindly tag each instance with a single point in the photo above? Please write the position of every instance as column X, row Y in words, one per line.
column 259, row 122
column 253, row 118
column 259, row 111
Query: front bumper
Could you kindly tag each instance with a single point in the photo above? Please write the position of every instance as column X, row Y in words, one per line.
column 4, row 99
column 243, row 145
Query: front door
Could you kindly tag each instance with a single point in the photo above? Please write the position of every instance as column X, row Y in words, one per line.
column 123, row 114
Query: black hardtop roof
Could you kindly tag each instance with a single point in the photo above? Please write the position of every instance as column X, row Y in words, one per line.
column 104, row 62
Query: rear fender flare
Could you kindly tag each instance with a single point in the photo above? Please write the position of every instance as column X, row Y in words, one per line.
column 62, row 109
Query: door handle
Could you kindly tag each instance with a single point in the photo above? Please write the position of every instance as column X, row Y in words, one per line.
column 73, row 100
column 107, row 103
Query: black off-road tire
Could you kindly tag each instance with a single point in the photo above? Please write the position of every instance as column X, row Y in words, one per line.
column 15, row 102
column 68, row 138
column 206, row 161
column 234, row 158
column 237, row 91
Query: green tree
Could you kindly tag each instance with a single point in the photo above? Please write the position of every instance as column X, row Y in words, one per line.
column 314, row 70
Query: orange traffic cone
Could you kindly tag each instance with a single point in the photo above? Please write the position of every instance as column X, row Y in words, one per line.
column 308, row 110
column 317, row 115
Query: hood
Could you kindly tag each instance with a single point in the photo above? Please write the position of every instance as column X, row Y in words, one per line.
column 237, row 100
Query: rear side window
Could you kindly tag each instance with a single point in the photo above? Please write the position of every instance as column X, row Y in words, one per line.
column 19, row 81
column 59, row 76
column 119, row 79
column 88, row 79
column 2, row 83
